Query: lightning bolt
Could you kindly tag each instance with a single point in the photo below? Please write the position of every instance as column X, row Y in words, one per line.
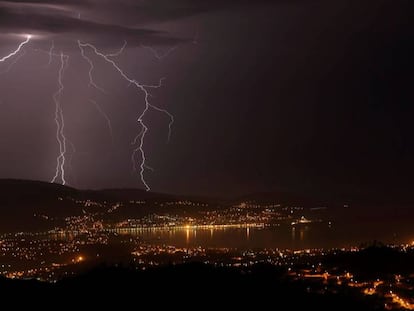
column 140, row 138
column 59, row 119
column 119, row 52
column 91, row 68
column 60, row 122
column 158, row 55
column 52, row 47
column 13, row 62
column 105, row 116
column 92, row 83
column 139, row 141
column 21, row 45
column 70, row 160
column 62, row 140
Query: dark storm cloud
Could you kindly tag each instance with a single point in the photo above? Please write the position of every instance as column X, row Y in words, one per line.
column 130, row 10
column 103, row 20
column 164, row 10
column 52, row 20
column 46, row 2
column 154, row 5
column 312, row 95
column 143, row 12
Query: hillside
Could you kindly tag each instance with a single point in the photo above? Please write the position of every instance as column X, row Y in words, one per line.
column 191, row 285
column 23, row 203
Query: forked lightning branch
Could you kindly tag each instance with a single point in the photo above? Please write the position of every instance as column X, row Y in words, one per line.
column 138, row 156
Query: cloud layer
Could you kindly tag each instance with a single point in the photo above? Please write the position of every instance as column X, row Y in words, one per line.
column 104, row 20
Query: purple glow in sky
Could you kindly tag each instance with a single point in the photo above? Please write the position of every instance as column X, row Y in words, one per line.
column 313, row 96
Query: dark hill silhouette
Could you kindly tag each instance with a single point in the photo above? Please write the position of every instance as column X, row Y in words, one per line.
column 374, row 261
column 12, row 188
column 22, row 201
column 188, row 285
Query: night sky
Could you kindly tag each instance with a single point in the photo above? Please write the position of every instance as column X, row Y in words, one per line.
column 311, row 96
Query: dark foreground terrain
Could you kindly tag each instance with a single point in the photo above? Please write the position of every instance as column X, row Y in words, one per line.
column 187, row 286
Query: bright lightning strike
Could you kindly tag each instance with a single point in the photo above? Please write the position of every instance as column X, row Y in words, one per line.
column 59, row 119
column 21, row 45
column 61, row 161
column 140, row 139
column 91, row 68
column 60, row 122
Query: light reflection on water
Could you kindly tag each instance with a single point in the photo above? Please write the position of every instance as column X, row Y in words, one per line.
column 283, row 236
column 317, row 235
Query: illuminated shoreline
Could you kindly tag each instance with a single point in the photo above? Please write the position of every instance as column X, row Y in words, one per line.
column 186, row 227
